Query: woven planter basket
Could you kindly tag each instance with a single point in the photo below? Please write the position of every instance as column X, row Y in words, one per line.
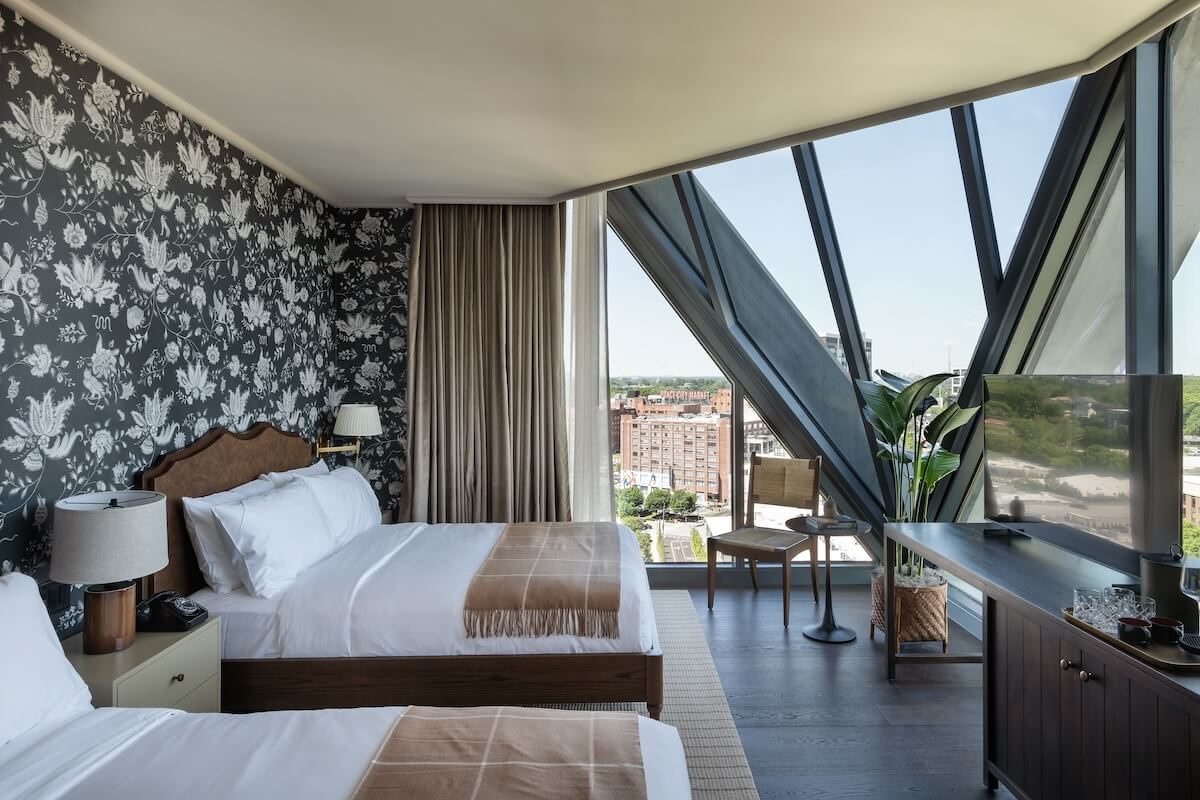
column 920, row 612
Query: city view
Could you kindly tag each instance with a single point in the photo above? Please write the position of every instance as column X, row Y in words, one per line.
column 673, row 472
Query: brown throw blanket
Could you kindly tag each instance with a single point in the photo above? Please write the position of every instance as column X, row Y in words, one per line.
column 546, row 579
column 507, row 754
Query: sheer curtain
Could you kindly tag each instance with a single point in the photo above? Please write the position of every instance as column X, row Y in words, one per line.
column 585, row 353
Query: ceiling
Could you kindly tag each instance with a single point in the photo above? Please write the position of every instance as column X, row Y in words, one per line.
column 374, row 102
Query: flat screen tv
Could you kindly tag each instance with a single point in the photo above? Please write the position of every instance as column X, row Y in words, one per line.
column 1091, row 463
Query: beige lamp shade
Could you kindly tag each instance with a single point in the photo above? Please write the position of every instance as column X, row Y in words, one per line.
column 106, row 537
column 357, row 419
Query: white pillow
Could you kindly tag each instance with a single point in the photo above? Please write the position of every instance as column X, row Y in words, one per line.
column 347, row 500
column 210, row 544
column 38, row 686
column 275, row 537
column 284, row 478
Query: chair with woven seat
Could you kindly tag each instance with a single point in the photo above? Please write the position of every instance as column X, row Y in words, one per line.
column 791, row 482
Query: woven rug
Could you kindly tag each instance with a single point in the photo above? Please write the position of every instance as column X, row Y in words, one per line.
column 695, row 704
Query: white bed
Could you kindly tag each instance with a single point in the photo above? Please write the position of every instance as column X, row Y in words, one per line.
column 53, row 744
column 398, row 590
column 143, row 753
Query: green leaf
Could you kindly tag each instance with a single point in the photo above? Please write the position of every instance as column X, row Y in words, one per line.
column 951, row 418
column 938, row 464
column 913, row 398
column 880, row 410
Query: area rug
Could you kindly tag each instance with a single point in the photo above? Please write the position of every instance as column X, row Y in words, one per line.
column 695, row 704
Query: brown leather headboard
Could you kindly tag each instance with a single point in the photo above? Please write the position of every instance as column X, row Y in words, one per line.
column 219, row 460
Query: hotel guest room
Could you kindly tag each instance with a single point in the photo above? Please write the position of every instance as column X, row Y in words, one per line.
column 437, row 400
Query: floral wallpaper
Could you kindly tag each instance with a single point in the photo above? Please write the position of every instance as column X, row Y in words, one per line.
column 155, row 281
column 371, row 291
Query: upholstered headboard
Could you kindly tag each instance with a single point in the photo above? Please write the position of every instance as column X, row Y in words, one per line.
column 219, row 460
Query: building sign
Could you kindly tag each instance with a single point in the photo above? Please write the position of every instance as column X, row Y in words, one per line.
column 645, row 480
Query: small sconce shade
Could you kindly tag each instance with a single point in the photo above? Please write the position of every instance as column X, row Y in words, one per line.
column 107, row 537
column 357, row 419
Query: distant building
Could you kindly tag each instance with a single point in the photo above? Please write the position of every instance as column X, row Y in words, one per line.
column 722, row 401
column 616, row 410
column 690, row 452
column 685, row 396
column 956, row 382
column 1191, row 499
column 833, row 343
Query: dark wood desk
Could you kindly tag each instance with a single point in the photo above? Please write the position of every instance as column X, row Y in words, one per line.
column 1065, row 714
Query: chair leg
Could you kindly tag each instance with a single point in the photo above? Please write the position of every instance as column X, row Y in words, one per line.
column 813, row 569
column 753, row 573
column 787, row 591
column 712, row 572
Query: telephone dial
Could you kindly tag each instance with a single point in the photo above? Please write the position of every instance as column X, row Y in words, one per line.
column 169, row 611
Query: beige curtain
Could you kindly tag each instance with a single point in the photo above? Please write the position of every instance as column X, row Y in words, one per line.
column 486, row 429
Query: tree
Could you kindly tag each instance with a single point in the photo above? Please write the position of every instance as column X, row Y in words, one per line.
column 645, row 543
column 629, row 501
column 658, row 500
column 633, row 522
column 683, row 502
column 1191, row 538
column 699, row 548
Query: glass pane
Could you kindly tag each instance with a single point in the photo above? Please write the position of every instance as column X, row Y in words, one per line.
column 761, row 196
column 1016, row 131
column 670, row 434
column 1084, row 329
column 1185, row 256
column 897, row 200
column 761, row 440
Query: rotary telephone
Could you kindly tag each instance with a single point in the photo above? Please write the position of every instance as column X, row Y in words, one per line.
column 169, row 611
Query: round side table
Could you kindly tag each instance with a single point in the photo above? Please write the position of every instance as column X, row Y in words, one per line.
column 827, row 630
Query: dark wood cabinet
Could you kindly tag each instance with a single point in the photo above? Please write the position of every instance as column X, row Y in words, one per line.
column 1069, row 718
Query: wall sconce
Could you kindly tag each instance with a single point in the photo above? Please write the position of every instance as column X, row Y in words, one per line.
column 353, row 419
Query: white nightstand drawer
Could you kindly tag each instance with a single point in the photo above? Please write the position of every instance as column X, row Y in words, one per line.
column 205, row 698
column 176, row 673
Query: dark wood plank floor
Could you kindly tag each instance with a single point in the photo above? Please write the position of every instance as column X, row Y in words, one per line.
column 822, row 721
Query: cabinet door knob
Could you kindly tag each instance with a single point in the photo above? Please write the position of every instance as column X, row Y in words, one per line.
column 1067, row 664
column 1086, row 677
column 178, row 678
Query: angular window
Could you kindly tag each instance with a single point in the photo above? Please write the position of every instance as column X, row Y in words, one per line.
column 1084, row 327
column 1185, row 256
column 897, row 200
column 761, row 196
column 663, row 386
column 1016, row 131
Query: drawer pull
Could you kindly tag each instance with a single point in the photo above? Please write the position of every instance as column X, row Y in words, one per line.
column 177, row 678
column 1087, row 677
column 1067, row 664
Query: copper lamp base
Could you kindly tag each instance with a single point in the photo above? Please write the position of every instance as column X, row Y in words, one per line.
column 109, row 624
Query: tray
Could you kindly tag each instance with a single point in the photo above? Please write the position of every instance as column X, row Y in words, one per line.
column 1163, row 656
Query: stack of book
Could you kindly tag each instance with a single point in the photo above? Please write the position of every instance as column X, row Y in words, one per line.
column 839, row 523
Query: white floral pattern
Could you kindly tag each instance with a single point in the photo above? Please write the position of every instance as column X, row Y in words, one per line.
column 155, row 282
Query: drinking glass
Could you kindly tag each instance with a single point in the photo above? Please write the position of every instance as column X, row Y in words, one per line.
column 1089, row 605
column 1142, row 607
column 1189, row 578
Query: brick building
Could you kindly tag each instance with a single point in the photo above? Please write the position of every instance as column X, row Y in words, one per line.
column 693, row 450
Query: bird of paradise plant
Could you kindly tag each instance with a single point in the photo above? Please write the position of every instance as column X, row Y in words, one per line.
column 910, row 442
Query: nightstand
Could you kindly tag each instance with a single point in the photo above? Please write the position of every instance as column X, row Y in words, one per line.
column 159, row 670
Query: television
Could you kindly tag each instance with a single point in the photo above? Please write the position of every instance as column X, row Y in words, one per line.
column 1091, row 463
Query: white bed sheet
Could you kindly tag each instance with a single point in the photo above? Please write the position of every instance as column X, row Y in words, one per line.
column 249, row 624
column 129, row 753
column 398, row 590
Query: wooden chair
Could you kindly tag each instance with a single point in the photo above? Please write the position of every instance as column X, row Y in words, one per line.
column 791, row 482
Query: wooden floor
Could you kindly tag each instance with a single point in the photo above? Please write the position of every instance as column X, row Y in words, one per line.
column 822, row 720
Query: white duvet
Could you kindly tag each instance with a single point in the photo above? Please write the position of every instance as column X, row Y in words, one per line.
column 143, row 753
column 398, row 590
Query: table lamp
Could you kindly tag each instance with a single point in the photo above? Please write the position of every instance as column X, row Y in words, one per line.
column 107, row 540
column 353, row 419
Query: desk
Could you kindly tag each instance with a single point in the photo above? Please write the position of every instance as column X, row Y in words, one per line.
column 1065, row 714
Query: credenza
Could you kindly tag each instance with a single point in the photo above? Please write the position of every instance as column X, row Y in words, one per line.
column 1065, row 714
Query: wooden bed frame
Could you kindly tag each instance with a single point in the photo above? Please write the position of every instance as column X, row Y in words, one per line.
column 221, row 460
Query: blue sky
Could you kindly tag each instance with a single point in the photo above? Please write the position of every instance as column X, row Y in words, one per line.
column 897, row 199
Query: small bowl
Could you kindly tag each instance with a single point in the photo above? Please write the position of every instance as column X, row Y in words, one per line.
column 1165, row 630
column 1134, row 630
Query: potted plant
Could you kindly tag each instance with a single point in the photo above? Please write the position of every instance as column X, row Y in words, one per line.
column 910, row 426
